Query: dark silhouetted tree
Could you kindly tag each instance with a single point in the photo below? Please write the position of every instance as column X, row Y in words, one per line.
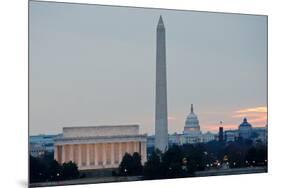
column 131, row 165
column 70, row 170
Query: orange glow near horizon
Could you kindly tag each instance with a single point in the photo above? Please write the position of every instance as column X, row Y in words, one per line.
column 257, row 116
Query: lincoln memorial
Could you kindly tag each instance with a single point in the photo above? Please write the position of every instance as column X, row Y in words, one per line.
column 97, row 147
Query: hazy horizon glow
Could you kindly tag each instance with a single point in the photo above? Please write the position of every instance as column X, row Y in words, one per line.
column 95, row 65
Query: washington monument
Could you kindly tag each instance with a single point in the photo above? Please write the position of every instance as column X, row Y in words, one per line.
column 161, row 118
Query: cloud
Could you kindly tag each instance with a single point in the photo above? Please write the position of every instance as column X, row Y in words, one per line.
column 256, row 115
column 260, row 109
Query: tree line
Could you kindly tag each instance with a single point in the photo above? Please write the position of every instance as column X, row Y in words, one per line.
column 184, row 161
column 178, row 161
column 45, row 168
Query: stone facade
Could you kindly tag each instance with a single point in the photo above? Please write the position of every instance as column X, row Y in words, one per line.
column 99, row 147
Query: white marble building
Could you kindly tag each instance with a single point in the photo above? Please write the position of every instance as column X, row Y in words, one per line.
column 192, row 133
column 98, row 147
column 191, row 130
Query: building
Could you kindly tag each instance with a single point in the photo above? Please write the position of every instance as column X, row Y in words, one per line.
column 221, row 139
column 40, row 144
column 150, row 141
column 259, row 134
column 192, row 131
column 245, row 129
column 176, row 139
column 231, row 135
column 161, row 116
column 36, row 150
column 99, row 147
column 208, row 136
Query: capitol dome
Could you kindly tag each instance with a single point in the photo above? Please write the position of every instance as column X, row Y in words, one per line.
column 192, row 123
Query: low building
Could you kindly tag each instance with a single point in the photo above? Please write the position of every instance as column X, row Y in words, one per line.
column 151, row 141
column 231, row 135
column 99, row 147
column 176, row 139
column 36, row 150
column 260, row 134
column 40, row 144
column 208, row 136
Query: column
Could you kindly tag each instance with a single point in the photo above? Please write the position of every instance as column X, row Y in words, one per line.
column 112, row 154
column 96, row 154
column 135, row 147
column 71, row 152
column 56, row 153
column 120, row 152
column 127, row 147
column 145, row 154
column 104, row 153
column 79, row 155
column 62, row 154
column 87, row 154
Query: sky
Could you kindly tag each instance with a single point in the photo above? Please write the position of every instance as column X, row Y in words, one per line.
column 95, row 65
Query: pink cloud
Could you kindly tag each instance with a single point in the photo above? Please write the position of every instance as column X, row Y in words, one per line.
column 256, row 115
column 260, row 109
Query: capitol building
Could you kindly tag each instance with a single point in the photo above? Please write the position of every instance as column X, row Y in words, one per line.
column 192, row 133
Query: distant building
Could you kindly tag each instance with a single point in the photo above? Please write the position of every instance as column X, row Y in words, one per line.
column 150, row 141
column 99, row 147
column 40, row 144
column 208, row 136
column 176, row 139
column 36, row 150
column 231, row 135
column 259, row 134
column 245, row 129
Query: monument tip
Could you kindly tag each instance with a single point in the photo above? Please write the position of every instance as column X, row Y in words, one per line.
column 160, row 22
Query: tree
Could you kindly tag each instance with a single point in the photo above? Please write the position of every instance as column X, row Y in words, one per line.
column 171, row 164
column 54, row 171
column 195, row 157
column 45, row 168
column 70, row 170
column 131, row 165
column 37, row 170
column 153, row 169
column 256, row 156
column 137, row 166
